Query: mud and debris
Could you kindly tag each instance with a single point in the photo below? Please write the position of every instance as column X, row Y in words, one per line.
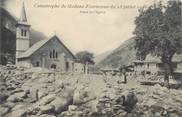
column 39, row 92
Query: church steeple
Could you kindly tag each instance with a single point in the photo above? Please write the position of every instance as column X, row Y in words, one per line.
column 22, row 34
column 23, row 17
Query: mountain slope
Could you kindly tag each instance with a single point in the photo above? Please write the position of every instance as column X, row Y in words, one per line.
column 125, row 54
column 36, row 36
column 122, row 55
column 100, row 57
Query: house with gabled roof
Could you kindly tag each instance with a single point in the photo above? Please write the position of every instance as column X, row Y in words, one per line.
column 152, row 65
column 47, row 53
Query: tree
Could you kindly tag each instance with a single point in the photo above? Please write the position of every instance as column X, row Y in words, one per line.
column 158, row 32
column 85, row 57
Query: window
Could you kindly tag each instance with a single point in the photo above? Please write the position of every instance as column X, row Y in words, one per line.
column 37, row 64
column 53, row 54
column 25, row 33
column 67, row 66
column 53, row 66
column 56, row 55
column 21, row 32
column 50, row 54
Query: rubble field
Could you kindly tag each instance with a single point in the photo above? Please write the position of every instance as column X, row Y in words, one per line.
column 39, row 92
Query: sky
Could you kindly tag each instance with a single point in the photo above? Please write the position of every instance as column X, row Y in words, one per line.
column 96, row 33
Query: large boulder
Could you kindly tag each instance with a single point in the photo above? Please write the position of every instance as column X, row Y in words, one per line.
column 4, row 110
column 130, row 100
column 72, row 108
column 72, row 111
column 61, row 104
column 46, row 100
column 71, row 114
column 46, row 115
column 46, row 109
column 63, row 99
column 18, row 111
column 17, row 97
column 83, row 96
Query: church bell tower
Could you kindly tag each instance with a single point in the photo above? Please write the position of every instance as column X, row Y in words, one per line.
column 22, row 33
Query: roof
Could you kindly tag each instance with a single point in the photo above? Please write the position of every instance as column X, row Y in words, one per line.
column 144, row 61
column 23, row 17
column 154, row 59
column 38, row 45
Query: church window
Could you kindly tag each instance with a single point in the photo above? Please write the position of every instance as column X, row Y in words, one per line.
column 22, row 32
column 53, row 53
column 25, row 33
column 50, row 54
column 67, row 66
column 56, row 55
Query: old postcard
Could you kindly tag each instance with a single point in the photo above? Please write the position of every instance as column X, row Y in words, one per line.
column 90, row 58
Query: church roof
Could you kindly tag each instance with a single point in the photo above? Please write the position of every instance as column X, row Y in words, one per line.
column 38, row 45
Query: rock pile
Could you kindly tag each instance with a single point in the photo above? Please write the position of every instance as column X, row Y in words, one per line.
column 11, row 78
column 118, row 106
column 72, row 112
column 43, row 93
column 25, row 93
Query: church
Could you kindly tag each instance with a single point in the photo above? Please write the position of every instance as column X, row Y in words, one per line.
column 48, row 53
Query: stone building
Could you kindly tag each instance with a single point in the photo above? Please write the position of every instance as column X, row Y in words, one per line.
column 8, row 27
column 154, row 66
column 48, row 53
column 30, row 48
column 79, row 67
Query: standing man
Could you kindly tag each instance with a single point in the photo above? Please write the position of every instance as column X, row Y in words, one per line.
column 124, row 74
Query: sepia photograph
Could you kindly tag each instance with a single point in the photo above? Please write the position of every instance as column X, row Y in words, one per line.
column 90, row 58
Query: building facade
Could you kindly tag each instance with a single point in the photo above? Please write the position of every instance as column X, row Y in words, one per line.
column 153, row 67
column 48, row 53
column 79, row 67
